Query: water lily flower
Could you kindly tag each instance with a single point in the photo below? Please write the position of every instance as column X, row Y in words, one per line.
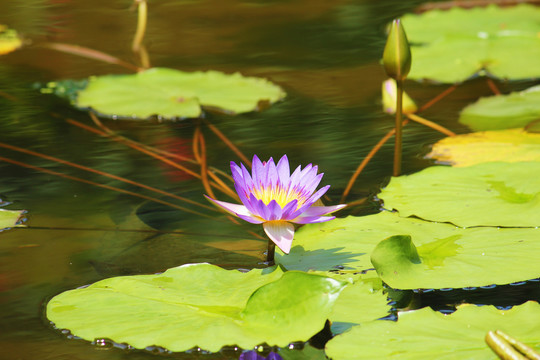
column 274, row 197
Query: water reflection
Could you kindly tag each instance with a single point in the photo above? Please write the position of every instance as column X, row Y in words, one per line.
column 325, row 54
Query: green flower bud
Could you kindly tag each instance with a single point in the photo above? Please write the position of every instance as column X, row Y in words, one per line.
column 397, row 53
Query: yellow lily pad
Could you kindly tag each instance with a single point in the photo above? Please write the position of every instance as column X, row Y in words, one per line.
column 512, row 145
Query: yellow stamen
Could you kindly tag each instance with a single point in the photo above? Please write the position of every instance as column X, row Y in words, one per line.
column 280, row 195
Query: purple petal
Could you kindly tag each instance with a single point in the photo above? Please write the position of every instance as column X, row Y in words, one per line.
column 247, row 178
column 289, row 209
column 234, row 166
column 250, row 355
column 312, row 219
column 239, row 180
column 271, row 176
column 273, row 356
column 235, row 209
column 260, row 208
column 295, row 176
column 321, row 210
column 254, row 206
column 283, row 171
column 318, row 194
column 310, row 186
column 307, row 204
column 257, row 171
column 281, row 233
column 251, row 218
column 275, row 210
column 244, row 199
column 308, row 172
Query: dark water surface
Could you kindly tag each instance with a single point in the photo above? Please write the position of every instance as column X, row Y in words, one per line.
column 324, row 53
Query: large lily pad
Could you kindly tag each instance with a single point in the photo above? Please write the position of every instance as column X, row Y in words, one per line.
column 493, row 194
column 503, row 41
column 427, row 334
column 360, row 302
column 9, row 218
column 450, row 257
column 453, row 261
column 199, row 305
column 511, row 145
column 514, row 110
column 172, row 94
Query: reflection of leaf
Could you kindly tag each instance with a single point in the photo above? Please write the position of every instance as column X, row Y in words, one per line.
column 511, row 145
column 504, row 41
column 514, row 110
column 494, row 194
column 9, row 218
column 172, row 94
column 9, row 40
column 450, row 257
column 427, row 334
column 199, row 305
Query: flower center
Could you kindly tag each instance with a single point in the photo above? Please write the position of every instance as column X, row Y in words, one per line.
column 280, row 195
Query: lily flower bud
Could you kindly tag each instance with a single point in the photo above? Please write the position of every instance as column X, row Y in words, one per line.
column 397, row 53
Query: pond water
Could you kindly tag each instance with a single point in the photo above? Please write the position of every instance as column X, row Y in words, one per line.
column 325, row 55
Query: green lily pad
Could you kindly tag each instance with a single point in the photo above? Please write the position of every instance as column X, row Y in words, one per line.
column 427, row 334
column 501, row 40
column 171, row 94
column 307, row 353
column 492, row 194
column 451, row 257
column 512, row 145
column 9, row 218
column 360, row 302
column 199, row 305
column 514, row 110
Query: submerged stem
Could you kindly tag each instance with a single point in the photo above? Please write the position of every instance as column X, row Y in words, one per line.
column 366, row 160
column 431, row 124
column 399, row 128
column 270, row 253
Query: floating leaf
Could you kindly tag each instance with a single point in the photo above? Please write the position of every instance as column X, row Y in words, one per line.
column 171, row 94
column 511, row 145
column 502, row 40
column 428, row 334
column 9, row 40
column 307, row 353
column 514, row 110
column 9, row 218
column 199, row 305
column 360, row 302
column 451, row 257
column 493, row 194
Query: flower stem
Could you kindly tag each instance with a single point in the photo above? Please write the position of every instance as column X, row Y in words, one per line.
column 399, row 128
column 271, row 252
